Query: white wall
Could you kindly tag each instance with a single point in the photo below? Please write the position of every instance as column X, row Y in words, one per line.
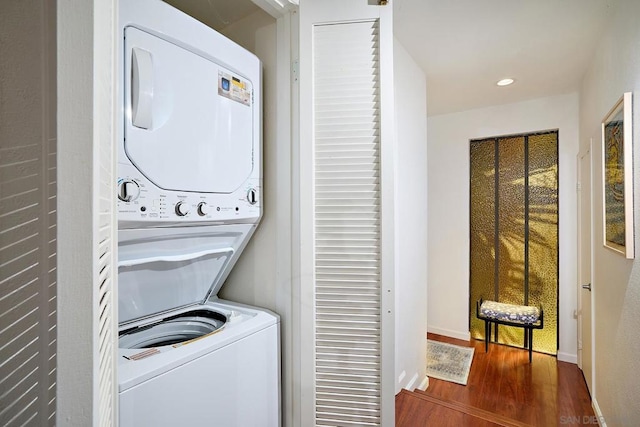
column 614, row 70
column 253, row 279
column 410, row 220
column 448, row 167
column 262, row 275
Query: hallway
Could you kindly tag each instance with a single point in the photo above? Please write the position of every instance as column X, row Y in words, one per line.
column 503, row 389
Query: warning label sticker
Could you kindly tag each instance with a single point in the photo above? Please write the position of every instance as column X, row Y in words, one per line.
column 234, row 88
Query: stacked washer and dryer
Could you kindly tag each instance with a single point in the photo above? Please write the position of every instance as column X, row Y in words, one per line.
column 189, row 200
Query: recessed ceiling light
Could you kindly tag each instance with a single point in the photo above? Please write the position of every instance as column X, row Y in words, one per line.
column 505, row 82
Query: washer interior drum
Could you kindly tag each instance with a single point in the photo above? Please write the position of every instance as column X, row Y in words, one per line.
column 173, row 330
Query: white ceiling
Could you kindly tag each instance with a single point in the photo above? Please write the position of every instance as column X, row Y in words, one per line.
column 466, row 46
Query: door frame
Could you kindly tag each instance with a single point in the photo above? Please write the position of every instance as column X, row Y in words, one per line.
column 587, row 151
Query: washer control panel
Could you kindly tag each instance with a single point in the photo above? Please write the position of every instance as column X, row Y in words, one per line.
column 140, row 201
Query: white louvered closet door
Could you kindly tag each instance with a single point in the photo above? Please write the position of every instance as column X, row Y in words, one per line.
column 347, row 224
column 28, row 214
column 346, row 214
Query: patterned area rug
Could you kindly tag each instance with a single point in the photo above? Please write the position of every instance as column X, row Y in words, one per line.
column 449, row 362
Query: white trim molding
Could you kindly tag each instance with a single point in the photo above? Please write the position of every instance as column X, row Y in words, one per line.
column 424, row 384
column 598, row 412
column 276, row 8
column 567, row 357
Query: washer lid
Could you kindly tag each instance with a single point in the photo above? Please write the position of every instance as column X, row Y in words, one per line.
column 160, row 270
column 157, row 284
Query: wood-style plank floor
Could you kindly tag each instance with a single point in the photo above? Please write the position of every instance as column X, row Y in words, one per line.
column 504, row 385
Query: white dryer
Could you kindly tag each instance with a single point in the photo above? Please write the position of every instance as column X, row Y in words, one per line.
column 189, row 200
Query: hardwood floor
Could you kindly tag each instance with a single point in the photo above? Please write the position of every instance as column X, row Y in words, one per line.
column 503, row 383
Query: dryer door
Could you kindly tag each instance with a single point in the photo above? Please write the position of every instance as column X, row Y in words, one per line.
column 188, row 119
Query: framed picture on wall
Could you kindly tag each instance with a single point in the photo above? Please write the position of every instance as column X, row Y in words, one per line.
column 617, row 176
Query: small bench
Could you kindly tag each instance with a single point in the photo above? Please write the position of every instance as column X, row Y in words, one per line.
column 521, row 316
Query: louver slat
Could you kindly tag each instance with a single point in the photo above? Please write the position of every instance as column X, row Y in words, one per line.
column 27, row 246
column 105, row 280
column 347, row 225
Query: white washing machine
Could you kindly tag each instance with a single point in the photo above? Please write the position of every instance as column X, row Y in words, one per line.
column 189, row 200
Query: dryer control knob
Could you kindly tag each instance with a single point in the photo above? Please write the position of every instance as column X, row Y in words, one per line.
column 203, row 209
column 182, row 209
column 252, row 196
column 128, row 190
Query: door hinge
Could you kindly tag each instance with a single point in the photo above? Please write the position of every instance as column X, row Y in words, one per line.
column 578, row 186
column 295, row 65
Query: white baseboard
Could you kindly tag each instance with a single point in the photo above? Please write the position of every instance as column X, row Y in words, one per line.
column 424, row 384
column 466, row 336
column 411, row 383
column 598, row 412
column 568, row 357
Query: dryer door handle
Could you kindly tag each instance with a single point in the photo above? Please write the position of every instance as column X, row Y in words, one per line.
column 174, row 258
column 141, row 88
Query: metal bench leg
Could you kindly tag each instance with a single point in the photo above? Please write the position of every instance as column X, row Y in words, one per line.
column 487, row 332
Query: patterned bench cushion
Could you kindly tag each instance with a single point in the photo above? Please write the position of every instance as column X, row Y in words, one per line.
column 509, row 312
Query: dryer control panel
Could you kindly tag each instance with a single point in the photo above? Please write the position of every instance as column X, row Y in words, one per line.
column 140, row 202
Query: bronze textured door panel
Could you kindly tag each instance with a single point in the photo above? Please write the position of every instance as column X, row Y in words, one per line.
column 514, row 230
column 483, row 222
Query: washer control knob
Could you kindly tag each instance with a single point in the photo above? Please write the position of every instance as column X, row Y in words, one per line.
column 203, row 209
column 128, row 190
column 182, row 209
column 252, row 196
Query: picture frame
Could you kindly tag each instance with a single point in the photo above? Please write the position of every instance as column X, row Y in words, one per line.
column 617, row 178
